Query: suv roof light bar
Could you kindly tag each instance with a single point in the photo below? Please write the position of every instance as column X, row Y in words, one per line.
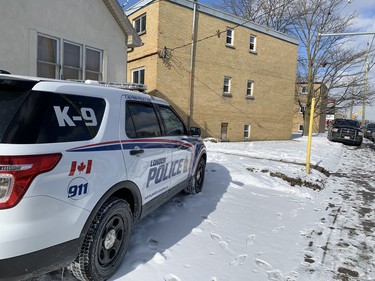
column 124, row 86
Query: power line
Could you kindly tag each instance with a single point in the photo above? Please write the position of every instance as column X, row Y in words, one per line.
column 218, row 32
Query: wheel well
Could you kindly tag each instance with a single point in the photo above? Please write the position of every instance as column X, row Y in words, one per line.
column 123, row 190
column 130, row 193
column 128, row 196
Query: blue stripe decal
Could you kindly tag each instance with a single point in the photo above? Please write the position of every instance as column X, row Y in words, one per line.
column 97, row 148
column 131, row 145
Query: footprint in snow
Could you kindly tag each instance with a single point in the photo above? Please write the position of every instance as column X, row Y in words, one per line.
column 217, row 238
column 273, row 274
column 263, row 264
column 152, row 244
column 239, row 260
column 250, row 239
column 171, row 277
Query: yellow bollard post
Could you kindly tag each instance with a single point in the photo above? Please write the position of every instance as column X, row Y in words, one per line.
column 310, row 136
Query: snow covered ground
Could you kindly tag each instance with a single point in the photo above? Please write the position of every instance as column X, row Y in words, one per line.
column 261, row 217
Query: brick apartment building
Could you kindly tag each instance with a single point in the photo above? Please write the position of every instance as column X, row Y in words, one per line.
column 321, row 98
column 236, row 80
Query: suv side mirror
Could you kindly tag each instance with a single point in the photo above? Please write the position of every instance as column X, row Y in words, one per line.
column 195, row 132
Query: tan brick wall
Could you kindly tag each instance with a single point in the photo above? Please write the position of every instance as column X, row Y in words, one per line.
column 319, row 120
column 272, row 68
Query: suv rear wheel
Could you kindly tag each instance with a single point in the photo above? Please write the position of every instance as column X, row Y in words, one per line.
column 106, row 242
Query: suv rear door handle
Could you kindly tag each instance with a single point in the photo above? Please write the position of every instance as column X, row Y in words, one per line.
column 137, row 150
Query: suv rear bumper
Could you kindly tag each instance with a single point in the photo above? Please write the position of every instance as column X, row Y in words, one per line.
column 40, row 262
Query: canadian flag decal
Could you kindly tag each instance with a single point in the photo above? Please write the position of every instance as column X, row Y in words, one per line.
column 81, row 167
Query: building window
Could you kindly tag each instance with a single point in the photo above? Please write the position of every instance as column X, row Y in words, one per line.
column 93, row 66
column 302, row 109
column 140, row 24
column 250, row 89
column 304, row 90
column 230, row 36
column 77, row 61
column 48, row 58
column 72, row 61
column 138, row 75
column 226, row 87
column 253, row 41
column 224, row 131
column 300, row 128
column 246, row 131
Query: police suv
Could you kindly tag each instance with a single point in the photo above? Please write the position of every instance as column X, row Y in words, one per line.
column 79, row 165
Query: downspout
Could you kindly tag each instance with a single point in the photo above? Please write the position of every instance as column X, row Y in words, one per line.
column 192, row 63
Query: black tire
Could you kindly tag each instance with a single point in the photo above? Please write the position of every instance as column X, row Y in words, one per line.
column 196, row 183
column 106, row 242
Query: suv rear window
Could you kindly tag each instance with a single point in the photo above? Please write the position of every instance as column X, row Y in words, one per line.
column 347, row 122
column 30, row 117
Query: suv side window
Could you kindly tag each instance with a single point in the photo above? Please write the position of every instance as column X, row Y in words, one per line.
column 49, row 118
column 141, row 120
column 174, row 125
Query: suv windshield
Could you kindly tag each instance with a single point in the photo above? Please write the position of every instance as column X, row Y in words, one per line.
column 347, row 122
column 29, row 117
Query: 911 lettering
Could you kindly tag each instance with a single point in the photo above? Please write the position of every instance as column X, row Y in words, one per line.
column 78, row 188
column 164, row 171
column 87, row 115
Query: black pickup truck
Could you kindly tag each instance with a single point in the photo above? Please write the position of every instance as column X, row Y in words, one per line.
column 346, row 131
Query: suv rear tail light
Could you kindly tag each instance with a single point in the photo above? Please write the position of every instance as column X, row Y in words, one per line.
column 17, row 173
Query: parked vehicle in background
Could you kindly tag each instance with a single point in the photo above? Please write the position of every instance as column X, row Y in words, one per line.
column 79, row 165
column 369, row 130
column 346, row 131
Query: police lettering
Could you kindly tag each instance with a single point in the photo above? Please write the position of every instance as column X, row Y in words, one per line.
column 164, row 171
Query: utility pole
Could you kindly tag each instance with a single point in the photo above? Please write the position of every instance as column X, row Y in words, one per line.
column 192, row 62
column 366, row 65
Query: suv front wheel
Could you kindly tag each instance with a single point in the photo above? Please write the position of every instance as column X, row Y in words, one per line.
column 196, row 183
column 106, row 242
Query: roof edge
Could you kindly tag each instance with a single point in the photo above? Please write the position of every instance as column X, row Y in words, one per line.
column 221, row 15
column 133, row 39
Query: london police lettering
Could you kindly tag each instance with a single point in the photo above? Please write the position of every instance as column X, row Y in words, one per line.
column 162, row 170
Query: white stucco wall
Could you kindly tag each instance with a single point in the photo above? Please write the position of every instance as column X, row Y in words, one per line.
column 87, row 22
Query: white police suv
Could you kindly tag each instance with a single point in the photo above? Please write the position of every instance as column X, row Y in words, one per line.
column 79, row 165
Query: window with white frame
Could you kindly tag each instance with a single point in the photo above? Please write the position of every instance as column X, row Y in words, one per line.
column 250, row 88
column 246, row 131
column 253, row 43
column 68, row 60
column 94, row 59
column 72, row 61
column 138, row 75
column 140, row 24
column 48, row 57
column 302, row 109
column 226, row 87
column 230, row 37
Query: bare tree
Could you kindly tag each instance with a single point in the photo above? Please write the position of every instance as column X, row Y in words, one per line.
column 275, row 14
column 332, row 61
